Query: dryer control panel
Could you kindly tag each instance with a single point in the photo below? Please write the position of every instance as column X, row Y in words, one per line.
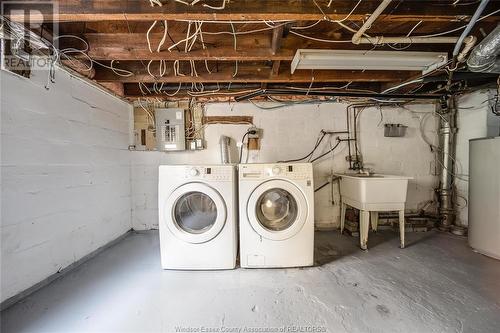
column 289, row 171
column 216, row 173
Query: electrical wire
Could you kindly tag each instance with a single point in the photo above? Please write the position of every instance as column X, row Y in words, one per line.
column 422, row 36
column 242, row 142
column 316, row 145
column 326, row 153
column 459, row 28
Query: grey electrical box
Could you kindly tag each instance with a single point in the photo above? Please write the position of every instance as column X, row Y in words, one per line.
column 170, row 132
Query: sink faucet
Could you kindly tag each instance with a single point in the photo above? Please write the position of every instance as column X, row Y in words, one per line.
column 364, row 171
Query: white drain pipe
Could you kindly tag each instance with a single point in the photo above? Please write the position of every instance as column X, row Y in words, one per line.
column 357, row 36
column 378, row 40
column 469, row 27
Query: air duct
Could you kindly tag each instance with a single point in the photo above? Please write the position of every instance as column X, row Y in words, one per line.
column 484, row 57
column 224, row 143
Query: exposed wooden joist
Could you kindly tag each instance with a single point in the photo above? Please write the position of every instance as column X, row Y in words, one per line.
column 227, row 119
column 80, row 67
column 115, row 87
column 221, row 54
column 132, row 91
column 134, row 47
column 276, row 39
column 276, row 68
column 249, row 74
column 255, row 47
column 98, row 10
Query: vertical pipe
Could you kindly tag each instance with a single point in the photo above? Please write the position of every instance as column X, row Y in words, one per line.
column 447, row 147
column 348, row 136
column 224, row 142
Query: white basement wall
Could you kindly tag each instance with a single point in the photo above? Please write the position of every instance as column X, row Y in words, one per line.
column 65, row 175
column 290, row 133
column 475, row 120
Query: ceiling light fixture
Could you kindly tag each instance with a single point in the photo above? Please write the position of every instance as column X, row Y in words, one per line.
column 368, row 60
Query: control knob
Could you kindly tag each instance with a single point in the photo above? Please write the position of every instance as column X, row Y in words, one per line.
column 194, row 172
column 276, row 170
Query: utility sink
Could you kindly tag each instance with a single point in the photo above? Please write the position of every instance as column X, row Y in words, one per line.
column 373, row 193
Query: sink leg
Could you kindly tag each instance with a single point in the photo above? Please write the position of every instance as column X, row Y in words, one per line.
column 342, row 217
column 374, row 219
column 402, row 228
column 364, row 220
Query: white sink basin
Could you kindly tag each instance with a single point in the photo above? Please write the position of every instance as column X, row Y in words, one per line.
column 372, row 194
column 376, row 192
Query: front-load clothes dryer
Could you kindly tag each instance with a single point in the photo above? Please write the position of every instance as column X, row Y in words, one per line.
column 198, row 216
column 276, row 215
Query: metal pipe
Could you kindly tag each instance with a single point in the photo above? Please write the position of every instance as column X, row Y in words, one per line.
column 447, row 140
column 469, row 27
column 347, row 114
column 224, row 143
column 367, row 25
column 469, row 44
column 378, row 40
column 484, row 57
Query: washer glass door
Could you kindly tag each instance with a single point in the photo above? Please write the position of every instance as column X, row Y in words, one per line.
column 276, row 209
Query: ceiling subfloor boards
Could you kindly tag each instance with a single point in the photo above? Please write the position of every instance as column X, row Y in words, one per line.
column 241, row 10
column 249, row 42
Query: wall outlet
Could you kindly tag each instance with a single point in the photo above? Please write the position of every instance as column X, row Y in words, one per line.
column 258, row 133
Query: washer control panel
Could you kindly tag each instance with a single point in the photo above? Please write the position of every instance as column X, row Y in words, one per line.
column 262, row 171
column 209, row 173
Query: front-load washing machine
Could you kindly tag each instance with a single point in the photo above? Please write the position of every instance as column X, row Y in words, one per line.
column 197, row 216
column 276, row 215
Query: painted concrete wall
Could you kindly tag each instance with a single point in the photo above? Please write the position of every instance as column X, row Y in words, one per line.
column 291, row 133
column 65, row 175
column 475, row 120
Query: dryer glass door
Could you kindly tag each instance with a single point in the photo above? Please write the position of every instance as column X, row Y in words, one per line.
column 195, row 212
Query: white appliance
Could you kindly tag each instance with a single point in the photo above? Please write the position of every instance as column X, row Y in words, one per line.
column 484, row 196
column 197, row 216
column 276, row 215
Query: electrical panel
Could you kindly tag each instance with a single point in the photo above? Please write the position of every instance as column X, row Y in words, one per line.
column 170, row 131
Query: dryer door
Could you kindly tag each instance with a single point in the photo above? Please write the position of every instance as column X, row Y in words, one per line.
column 277, row 209
column 195, row 213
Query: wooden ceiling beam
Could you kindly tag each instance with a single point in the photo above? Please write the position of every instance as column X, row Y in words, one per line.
column 133, row 91
column 276, row 39
column 249, row 74
column 219, row 54
column 273, row 10
column 254, row 47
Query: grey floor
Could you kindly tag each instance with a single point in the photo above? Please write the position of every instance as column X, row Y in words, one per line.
column 436, row 284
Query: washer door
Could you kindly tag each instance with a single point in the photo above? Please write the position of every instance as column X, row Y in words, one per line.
column 195, row 213
column 277, row 209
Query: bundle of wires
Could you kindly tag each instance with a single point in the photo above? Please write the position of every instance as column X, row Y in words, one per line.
column 309, row 156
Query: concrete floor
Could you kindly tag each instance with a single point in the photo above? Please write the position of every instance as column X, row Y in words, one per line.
column 436, row 284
